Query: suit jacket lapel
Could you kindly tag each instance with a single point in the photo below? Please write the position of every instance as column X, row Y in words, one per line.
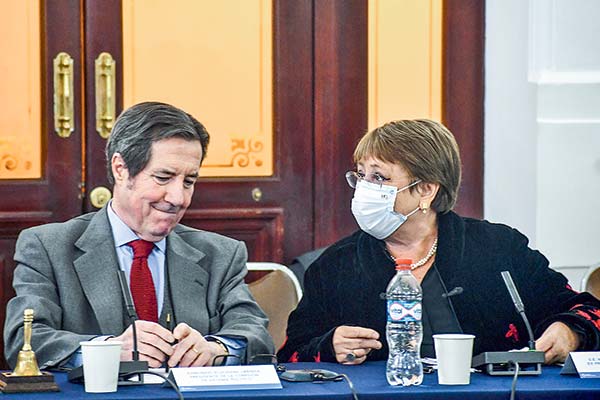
column 188, row 280
column 97, row 268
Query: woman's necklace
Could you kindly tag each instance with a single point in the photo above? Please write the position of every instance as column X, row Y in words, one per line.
column 423, row 260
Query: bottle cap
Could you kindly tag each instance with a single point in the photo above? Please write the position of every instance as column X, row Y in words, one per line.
column 403, row 264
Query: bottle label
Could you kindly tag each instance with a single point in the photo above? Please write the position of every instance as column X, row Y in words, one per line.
column 403, row 311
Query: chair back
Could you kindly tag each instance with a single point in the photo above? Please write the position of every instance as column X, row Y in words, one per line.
column 277, row 293
column 591, row 281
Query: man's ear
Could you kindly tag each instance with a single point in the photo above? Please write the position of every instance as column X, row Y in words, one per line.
column 119, row 168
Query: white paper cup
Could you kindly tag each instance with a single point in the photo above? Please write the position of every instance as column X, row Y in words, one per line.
column 101, row 365
column 454, row 352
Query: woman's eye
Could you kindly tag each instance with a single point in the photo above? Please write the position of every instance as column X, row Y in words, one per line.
column 361, row 175
column 380, row 178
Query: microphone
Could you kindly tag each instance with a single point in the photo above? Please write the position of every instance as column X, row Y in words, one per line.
column 135, row 355
column 453, row 292
column 514, row 295
column 504, row 362
column 126, row 368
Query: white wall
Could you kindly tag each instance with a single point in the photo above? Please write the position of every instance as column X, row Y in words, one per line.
column 542, row 126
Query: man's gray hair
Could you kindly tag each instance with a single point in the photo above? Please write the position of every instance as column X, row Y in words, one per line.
column 145, row 123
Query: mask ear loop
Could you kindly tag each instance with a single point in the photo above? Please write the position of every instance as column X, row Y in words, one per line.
column 412, row 212
column 408, row 186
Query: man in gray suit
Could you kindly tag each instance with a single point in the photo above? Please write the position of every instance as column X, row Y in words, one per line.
column 69, row 272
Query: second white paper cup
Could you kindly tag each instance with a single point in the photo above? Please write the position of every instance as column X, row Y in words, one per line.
column 454, row 352
column 101, row 365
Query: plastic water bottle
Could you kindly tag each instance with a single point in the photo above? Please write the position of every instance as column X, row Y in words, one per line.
column 404, row 329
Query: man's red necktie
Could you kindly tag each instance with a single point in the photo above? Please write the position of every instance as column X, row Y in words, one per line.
column 140, row 281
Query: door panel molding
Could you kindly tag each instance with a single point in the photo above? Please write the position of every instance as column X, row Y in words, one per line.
column 261, row 228
column 13, row 222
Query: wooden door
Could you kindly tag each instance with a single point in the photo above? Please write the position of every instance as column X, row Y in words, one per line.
column 42, row 185
column 273, row 214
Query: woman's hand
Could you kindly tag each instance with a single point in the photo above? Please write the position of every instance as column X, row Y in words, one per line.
column 557, row 341
column 351, row 344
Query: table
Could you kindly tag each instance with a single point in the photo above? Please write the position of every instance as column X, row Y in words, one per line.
column 370, row 383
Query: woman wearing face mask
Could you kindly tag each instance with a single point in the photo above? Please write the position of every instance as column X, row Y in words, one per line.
column 406, row 183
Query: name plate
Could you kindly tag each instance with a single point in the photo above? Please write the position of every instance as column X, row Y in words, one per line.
column 584, row 363
column 235, row 377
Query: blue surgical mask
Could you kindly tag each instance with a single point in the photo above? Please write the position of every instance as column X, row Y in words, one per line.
column 373, row 208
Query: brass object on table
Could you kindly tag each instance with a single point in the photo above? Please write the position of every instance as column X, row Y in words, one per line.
column 26, row 363
column 27, row 376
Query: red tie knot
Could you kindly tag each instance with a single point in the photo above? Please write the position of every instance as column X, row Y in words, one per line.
column 141, row 248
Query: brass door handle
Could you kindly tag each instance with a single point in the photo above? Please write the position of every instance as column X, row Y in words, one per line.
column 99, row 196
column 63, row 95
column 105, row 94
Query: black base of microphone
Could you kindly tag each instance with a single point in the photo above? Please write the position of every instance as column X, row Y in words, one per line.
column 125, row 369
column 502, row 362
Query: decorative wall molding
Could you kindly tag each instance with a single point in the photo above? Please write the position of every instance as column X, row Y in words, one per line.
column 546, row 77
column 244, row 153
column 568, row 121
column 260, row 228
column 15, row 157
column 226, row 80
column 563, row 41
column 13, row 222
column 20, row 124
column 405, row 60
column 564, row 66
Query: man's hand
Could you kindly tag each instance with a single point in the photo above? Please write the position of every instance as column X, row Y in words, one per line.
column 557, row 341
column 354, row 341
column 192, row 350
column 154, row 343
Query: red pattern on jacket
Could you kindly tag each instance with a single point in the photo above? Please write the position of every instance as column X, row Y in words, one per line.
column 512, row 333
column 583, row 314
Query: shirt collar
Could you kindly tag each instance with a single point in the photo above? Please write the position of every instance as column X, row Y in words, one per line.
column 122, row 234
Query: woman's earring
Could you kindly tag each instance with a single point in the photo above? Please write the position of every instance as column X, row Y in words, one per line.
column 424, row 207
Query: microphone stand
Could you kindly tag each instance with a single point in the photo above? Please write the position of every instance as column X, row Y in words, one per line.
column 504, row 362
column 516, row 298
column 126, row 367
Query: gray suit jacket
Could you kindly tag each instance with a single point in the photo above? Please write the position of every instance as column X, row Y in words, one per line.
column 67, row 272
